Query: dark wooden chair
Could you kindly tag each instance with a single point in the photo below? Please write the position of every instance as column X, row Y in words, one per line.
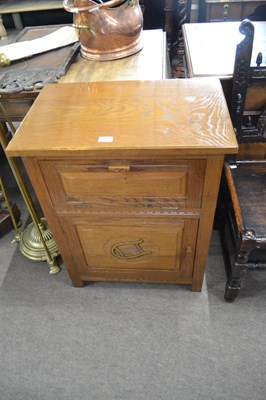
column 243, row 190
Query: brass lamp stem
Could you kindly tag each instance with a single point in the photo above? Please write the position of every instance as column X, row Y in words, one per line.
column 28, row 201
column 13, row 129
column 13, row 219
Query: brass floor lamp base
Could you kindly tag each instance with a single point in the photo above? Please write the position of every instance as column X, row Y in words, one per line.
column 31, row 244
column 37, row 241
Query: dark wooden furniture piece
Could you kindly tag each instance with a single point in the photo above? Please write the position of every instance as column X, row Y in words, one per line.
column 243, row 191
column 128, row 178
column 177, row 13
column 243, row 230
column 232, row 10
column 244, row 202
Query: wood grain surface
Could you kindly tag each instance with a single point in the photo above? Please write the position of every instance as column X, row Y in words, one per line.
column 184, row 116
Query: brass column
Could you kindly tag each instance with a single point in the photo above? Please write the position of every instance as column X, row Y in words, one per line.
column 37, row 241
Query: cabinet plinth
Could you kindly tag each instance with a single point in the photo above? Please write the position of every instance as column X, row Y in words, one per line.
column 127, row 174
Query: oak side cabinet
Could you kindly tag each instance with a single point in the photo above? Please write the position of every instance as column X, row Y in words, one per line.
column 127, row 174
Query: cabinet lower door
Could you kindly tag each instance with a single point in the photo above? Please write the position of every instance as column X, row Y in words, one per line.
column 125, row 248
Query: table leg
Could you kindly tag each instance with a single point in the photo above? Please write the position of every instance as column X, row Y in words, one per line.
column 3, row 33
column 17, row 21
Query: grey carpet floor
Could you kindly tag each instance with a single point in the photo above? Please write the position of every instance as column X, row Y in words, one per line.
column 115, row 341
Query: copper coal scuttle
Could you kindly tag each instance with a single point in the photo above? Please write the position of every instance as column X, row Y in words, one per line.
column 108, row 30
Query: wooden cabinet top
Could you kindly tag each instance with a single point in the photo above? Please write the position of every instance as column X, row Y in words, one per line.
column 173, row 116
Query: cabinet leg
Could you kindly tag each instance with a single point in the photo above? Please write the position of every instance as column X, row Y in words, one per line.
column 196, row 286
column 77, row 283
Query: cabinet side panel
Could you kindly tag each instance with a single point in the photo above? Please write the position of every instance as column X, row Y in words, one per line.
column 209, row 200
column 42, row 192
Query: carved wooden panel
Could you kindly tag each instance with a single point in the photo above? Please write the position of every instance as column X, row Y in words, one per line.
column 33, row 73
column 129, row 248
column 248, row 91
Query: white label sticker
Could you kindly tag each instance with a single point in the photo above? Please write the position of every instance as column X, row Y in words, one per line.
column 106, row 139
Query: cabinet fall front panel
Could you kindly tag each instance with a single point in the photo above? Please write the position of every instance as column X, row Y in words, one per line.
column 126, row 185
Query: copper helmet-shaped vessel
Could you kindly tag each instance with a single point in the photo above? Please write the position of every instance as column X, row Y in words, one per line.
column 107, row 30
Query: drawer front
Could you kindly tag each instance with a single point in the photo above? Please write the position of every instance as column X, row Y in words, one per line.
column 224, row 12
column 130, row 249
column 126, row 186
